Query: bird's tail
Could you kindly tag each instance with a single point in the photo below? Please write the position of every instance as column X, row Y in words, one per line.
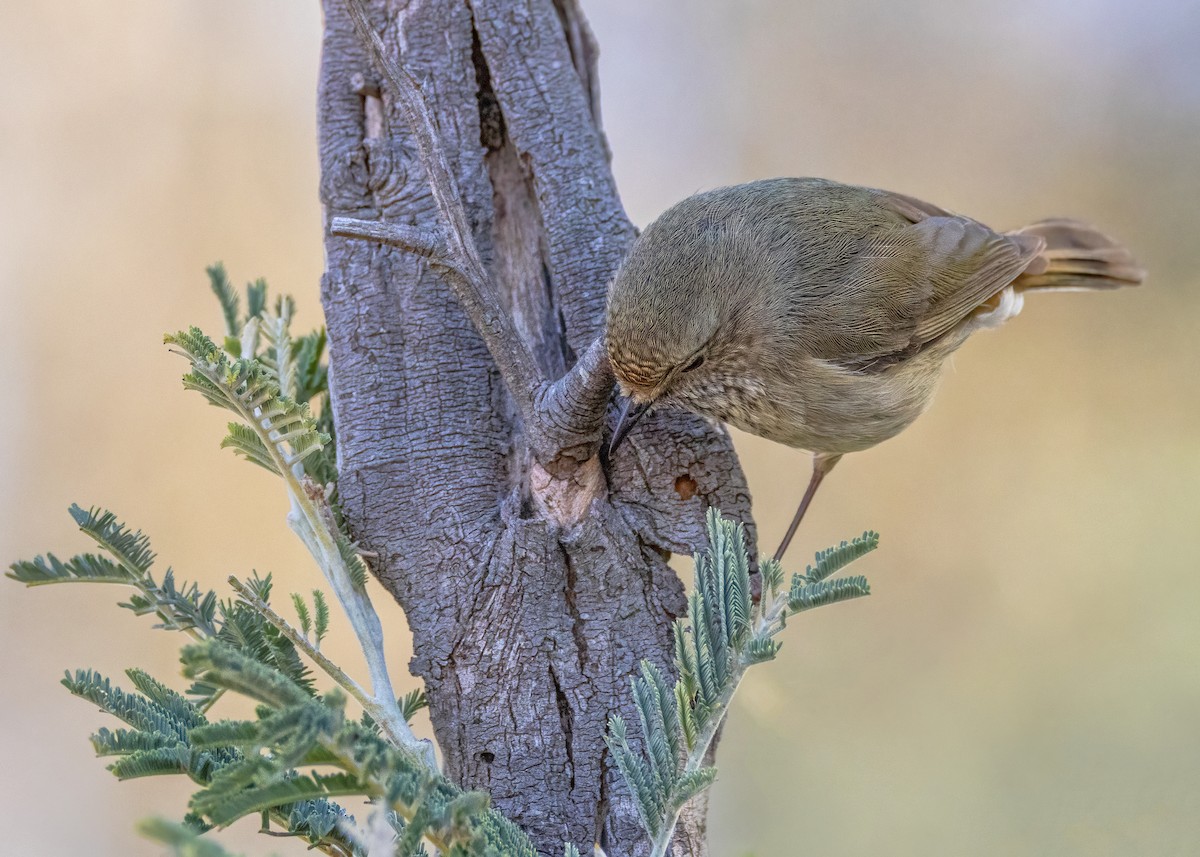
column 1077, row 256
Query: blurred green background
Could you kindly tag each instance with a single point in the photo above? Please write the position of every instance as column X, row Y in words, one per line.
column 1024, row 679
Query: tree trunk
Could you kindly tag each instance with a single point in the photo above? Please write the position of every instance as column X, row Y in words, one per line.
column 533, row 578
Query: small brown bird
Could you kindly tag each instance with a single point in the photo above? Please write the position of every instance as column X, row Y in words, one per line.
column 819, row 314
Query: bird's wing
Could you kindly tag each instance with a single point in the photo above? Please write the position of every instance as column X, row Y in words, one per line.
column 909, row 207
column 967, row 264
column 910, row 284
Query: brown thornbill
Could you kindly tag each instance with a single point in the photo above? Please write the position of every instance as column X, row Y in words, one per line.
column 819, row 314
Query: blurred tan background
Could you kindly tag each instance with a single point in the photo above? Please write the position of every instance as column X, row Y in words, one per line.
column 1025, row 678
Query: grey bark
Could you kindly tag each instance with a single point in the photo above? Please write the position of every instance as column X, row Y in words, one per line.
column 533, row 573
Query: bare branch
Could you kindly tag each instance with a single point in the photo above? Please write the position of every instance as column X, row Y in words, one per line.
column 570, row 412
column 466, row 274
column 422, row 242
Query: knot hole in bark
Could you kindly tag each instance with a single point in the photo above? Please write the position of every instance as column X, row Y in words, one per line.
column 686, row 487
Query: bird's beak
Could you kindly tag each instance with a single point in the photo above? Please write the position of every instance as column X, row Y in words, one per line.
column 630, row 414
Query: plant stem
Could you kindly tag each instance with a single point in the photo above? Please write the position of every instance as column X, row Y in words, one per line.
column 699, row 751
column 398, row 732
column 307, row 521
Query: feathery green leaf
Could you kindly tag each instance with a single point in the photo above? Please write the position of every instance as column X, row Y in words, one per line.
column 312, row 377
column 832, row 560
column 354, row 562
column 180, row 607
column 170, row 701
column 314, row 819
column 245, row 441
column 636, row 775
column 137, row 711
column 228, row 297
column 175, row 759
column 691, row 784
column 708, row 682
column 227, row 733
column 224, row 807
column 772, row 577
column 131, row 549
column 123, row 742
column 302, row 614
column 278, row 356
column 243, row 628
column 761, row 649
column 219, row 664
column 321, row 615
column 181, row 839
column 82, row 568
column 805, row 596
column 256, row 298
column 730, row 564
column 286, row 431
column 413, row 702
column 662, row 743
column 723, row 635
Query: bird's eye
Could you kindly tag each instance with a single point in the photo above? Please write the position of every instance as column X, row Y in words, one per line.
column 695, row 364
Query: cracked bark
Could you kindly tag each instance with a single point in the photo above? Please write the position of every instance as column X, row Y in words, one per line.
column 533, row 579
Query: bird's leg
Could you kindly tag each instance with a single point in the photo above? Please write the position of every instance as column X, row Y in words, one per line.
column 822, row 464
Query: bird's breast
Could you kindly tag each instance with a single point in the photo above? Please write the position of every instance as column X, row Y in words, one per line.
column 821, row 407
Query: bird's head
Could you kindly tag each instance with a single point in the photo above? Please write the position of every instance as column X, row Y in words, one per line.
column 672, row 314
column 647, row 373
column 688, row 309
column 654, row 354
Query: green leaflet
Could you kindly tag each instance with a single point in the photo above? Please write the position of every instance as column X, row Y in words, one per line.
column 182, row 839
column 83, row 568
column 832, row 560
column 227, row 297
column 302, row 614
column 272, row 390
column 130, row 549
column 413, row 702
column 246, row 442
column 223, row 806
column 321, row 614
column 285, row 429
column 724, row 634
column 179, row 606
column 219, row 664
column 256, row 299
column 299, row 749
column 122, row 742
column 805, row 596
column 312, row 377
column 354, row 562
column 141, row 713
column 246, row 631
